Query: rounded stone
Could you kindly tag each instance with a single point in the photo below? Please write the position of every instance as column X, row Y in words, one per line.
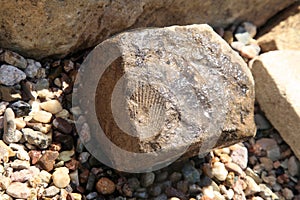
column 105, row 186
column 60, row 177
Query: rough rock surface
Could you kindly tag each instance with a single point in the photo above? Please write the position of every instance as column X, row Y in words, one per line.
column 277, row 81
column 42, row 28
column 186, row 83
column 282, row 33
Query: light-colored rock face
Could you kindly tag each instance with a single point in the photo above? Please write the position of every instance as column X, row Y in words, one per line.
column 184, row 87
column 39, row 29
column 277, row 80
column 284, row 32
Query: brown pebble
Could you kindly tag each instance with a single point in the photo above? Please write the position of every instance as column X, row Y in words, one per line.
column 62, row 125
column 105, row 186
column 47, row 160
column 83, row 177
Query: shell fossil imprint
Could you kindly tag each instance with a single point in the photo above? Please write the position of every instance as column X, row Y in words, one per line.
column 150, row 101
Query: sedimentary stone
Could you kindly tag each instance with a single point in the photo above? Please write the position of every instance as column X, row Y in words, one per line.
column 276, row 75
column 283, row 32
column 168, row 91
column 56, row 28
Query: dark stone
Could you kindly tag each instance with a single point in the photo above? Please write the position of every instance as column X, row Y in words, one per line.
column 20, row 108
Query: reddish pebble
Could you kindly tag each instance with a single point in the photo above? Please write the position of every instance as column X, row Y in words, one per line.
column 105, row 186
column 34, row 156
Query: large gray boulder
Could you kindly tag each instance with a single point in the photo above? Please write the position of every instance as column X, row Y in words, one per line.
column 39, row 29
column 150, row 96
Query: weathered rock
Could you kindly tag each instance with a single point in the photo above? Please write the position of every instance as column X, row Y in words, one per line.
column 40, row 29
column 283, row 32
column 183, row 86
column 37, row 138
column 10, row 75
column 276, row 77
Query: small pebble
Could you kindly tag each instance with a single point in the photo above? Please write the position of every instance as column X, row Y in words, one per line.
column 293, row 166
column 235, row 168
column 18, row 190
column 66, row 155
column 190, row 173
column 10, row 75
column 244, row 37
column 250, row 51
column 219, row 171
column 288, row 194
column 47, row 160
column 32, row 68
column 20, row 108
column 6, row 152
column 83, row 157
column 267, row 163
column 51, row 106
column 51, row 191
column 20, row 164
column 45, row 176
column 14, row 59
column 37, row 138
column 105, row 186
column 147, row 179
column 252, row 187
column 42, row 116
column 60, row 177
column 239, row 155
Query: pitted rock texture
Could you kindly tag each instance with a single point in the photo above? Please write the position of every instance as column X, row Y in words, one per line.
column 39, row 29
column 182, row 87
column 277, row 79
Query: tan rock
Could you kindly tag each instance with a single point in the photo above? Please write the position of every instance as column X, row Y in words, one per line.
column 61, row 177
column 39, row 29
column 42, row 116
column 277, row 80
column 283, row 33
column 5, row 152
column 52, row 106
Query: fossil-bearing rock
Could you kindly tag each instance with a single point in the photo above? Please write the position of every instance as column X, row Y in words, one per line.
column 152, row 95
